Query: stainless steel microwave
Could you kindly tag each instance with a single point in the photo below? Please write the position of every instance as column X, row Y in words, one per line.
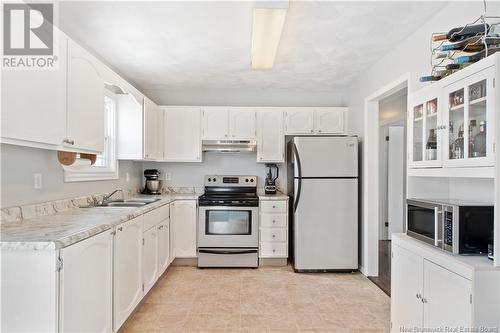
column 454, row 226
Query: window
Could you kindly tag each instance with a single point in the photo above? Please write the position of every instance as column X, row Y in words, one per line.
column 106, row 165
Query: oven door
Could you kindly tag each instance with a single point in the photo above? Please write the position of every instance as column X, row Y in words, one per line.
column 425, row 221
column 221, row 226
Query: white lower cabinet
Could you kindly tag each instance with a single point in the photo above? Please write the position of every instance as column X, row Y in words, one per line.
column 163, row 246
column 432, row 289
column 273, row 230
column 183, row 217
column 86, row 285
column 150, row 258
column 128, row 289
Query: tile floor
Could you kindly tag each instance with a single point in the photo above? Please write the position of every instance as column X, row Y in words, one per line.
column 270, row 299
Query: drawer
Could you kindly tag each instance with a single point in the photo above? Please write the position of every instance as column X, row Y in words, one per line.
column 278, row 250
column 273, row 220
column 155, row 216
column 273, row 234
column 278, row 206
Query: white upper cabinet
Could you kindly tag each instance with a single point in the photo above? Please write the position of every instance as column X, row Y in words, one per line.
column 129, row 127
column 451, row 123
column 223, row 123
column 299, row 121
column 86, row 285
column 270, row 136
column 151, row 130
column 128, row 269
column 330, row 120
column 85, row 100
column 242, row 124
column 34, row 101
column 326, row 120
column 181, row 133
column 215, row 123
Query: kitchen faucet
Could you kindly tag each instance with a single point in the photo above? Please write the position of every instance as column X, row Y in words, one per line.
column 106, row 197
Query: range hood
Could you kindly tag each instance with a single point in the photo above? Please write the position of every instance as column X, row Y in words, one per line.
column 229, row 146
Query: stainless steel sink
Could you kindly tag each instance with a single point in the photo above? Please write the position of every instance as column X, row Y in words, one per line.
column 134, row 202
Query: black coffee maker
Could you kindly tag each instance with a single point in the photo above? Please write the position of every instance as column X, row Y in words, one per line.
column 272, row 175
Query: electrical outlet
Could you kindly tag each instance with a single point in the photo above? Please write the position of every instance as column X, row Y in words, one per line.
column 168, row 176
column 127, row 177
column 37, row 181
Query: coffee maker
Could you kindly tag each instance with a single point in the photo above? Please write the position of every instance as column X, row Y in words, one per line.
column 152, row 182
column 272, row 175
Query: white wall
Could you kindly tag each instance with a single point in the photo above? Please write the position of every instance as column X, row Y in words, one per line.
column 411, row 56
column 192, row 174
column 246, row 97
column 20, row 163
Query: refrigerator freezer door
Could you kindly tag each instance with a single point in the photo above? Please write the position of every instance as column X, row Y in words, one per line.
column 326, row 225
column 327, row 156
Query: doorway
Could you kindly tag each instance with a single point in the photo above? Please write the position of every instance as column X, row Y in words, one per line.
column 392, row 179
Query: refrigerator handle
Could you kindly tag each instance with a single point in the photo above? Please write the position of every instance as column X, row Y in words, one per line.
column 299, row 177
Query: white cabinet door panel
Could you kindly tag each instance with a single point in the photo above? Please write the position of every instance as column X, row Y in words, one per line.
column 183, row 217
column 151, row 130
column 85, row 104
column 34, row 101
column 330, row 120
column 270, row 136
column 181, row 132
column 150, row 258
column 299, row 121
column 406, row 289
column 242, row 124
column 163, row 246
column 447, row 298
column 215, row 123
column 86, row 281
column 128, row 269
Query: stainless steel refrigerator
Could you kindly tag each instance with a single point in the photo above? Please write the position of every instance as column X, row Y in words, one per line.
column 323, row 176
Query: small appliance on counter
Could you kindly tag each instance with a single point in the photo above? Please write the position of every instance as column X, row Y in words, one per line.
column 153, row 182
column 459, row 227
column 270, row 186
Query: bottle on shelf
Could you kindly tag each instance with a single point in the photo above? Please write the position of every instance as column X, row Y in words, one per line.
column 460, row 33
column 480, row 141
column 473, row 44
column 457, row 151
column 472, row 125
column 431, row 146
column 477, row 56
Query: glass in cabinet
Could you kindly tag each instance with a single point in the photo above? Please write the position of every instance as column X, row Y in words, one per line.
column 424, row 118
column 470, row 121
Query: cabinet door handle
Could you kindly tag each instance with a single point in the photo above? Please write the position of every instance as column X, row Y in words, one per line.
column 424, row 300
column 274, row 250
column 274, row 221
column 418, row 296
column 160, row 227
column 274, row 206
column 69, row 141
column 312, row 131
column 120, row 229
column 274, row 236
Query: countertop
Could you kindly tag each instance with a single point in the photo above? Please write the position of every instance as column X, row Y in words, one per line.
column 278, row 196
column 71, row 226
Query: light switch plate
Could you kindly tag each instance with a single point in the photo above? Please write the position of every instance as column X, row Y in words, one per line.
column 37, row 181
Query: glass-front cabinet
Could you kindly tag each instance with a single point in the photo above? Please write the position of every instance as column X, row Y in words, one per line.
column 469, row 120
column 451, row 123
column 424, row 118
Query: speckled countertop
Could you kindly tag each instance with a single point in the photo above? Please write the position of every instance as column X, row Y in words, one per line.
column 278, row 196
column 70, row 226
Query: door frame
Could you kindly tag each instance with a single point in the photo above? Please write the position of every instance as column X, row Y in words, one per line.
column 370, row 180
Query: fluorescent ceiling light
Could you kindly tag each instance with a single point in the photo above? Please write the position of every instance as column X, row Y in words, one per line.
column 266, row 33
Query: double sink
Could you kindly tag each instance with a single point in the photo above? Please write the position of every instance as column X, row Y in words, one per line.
column 134, row 202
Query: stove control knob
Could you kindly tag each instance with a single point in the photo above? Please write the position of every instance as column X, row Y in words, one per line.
column 214, row 179
column 209, row 179
column 251, row 180
column 246, row 180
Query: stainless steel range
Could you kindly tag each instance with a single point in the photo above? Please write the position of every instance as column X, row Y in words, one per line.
column 228, row 222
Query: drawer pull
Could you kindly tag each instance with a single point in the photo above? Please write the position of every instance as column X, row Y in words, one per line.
column 274, row 221
column 274, row 236
column 274, row 206
column 274, row 250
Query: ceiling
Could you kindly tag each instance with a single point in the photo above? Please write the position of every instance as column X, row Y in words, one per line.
column 199, row 46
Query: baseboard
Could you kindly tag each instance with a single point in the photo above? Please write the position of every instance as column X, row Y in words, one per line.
column 273, row 262
column 185, row 262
